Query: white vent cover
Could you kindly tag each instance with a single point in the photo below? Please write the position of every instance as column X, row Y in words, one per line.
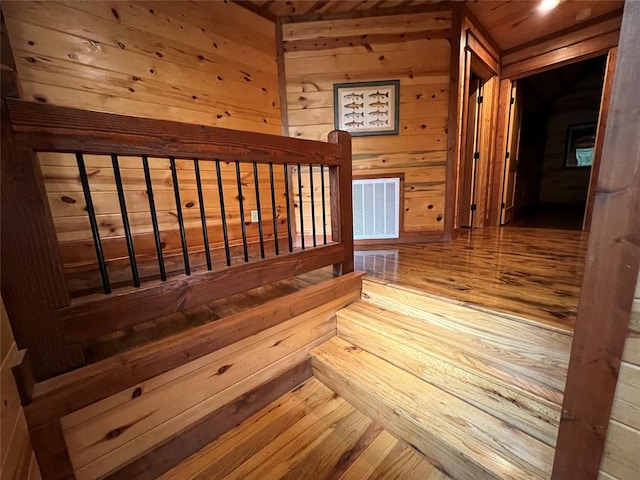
column 376, row 208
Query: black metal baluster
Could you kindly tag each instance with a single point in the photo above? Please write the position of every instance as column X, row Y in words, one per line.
column 274, row 213
column 223, row 214
column 288, row 199
column 125, row 220
column 257, row 187
column 183, row 237
column 203, row 216
column 154, row 217
column 301, row 210
column 313, row 206
column 94, row 225
column 241, row 201
column 324, row 208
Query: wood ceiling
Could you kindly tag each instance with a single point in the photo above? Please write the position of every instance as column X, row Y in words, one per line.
column 509, row 23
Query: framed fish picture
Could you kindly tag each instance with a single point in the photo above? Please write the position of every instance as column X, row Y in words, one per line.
column 367, row 108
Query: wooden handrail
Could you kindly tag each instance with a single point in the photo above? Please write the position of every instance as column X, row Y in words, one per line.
column 48, row 128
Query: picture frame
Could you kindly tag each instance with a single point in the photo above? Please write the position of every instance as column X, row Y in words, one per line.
column 580, row 146
column 367, row 108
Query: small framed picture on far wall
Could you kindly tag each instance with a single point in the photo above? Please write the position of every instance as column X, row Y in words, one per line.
column 581, row 141
column 367, row 108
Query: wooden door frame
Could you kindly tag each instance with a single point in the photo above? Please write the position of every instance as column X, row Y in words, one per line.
column 511, row 124
column 499, row 163
column 610, row 275
column 597, row 37
column 473, row 44
column 605, row 101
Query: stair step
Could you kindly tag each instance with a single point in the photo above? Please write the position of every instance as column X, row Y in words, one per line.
column 535, row 351
column 450, row 369
column 415, row 302
column 515, row 362
column 460, row 439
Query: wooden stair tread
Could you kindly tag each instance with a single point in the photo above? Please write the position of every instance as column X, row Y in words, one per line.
column 419, row 299
column 521, row 408
column 459, row 438
column 522, row 362
column 310, row 432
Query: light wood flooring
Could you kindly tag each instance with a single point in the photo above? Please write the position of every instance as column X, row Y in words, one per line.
column 310, row 433
column 528, row 272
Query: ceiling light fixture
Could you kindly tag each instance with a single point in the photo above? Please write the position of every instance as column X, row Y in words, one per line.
column 548, row 5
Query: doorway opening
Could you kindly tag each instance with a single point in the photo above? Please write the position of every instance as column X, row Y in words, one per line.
column 551, row 146
column 478, row 130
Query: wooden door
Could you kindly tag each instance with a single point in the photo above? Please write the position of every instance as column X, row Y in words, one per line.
column 511, row 156
column 471, row 152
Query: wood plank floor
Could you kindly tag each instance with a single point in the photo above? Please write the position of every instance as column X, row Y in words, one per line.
column 310, row 433
column 531, row 273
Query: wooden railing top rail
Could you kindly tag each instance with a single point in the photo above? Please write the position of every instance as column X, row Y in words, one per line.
column 50, row 128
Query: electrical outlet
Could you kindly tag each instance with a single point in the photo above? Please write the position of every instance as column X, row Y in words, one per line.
column 254, row 215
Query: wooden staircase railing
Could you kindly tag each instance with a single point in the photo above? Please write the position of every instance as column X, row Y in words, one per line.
column 50, row 319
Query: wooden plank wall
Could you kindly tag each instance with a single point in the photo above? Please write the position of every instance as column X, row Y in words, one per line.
column 104, row 436
column 17, row 461
column 560, row 185
column 621, row 460
column 412, row 48
column 211, row 63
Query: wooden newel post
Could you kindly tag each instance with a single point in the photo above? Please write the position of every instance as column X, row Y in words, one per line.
column 341, row 202
column 32, row 281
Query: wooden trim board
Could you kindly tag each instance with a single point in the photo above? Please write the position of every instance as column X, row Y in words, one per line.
column 49, row 128
column 611, row 271
column 380, row 12
column 454, row 124
column 602, row 127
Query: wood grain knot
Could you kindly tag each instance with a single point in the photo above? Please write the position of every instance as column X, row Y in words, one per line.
column 114, row 433
column 66, row 199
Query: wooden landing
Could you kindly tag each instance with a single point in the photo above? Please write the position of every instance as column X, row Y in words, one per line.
column 531, row 273
column 309, row 433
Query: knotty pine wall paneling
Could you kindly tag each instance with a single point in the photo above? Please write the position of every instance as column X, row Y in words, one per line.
column 621, row 458
column 18, row 461
column 412, row 48
column 210, row 63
